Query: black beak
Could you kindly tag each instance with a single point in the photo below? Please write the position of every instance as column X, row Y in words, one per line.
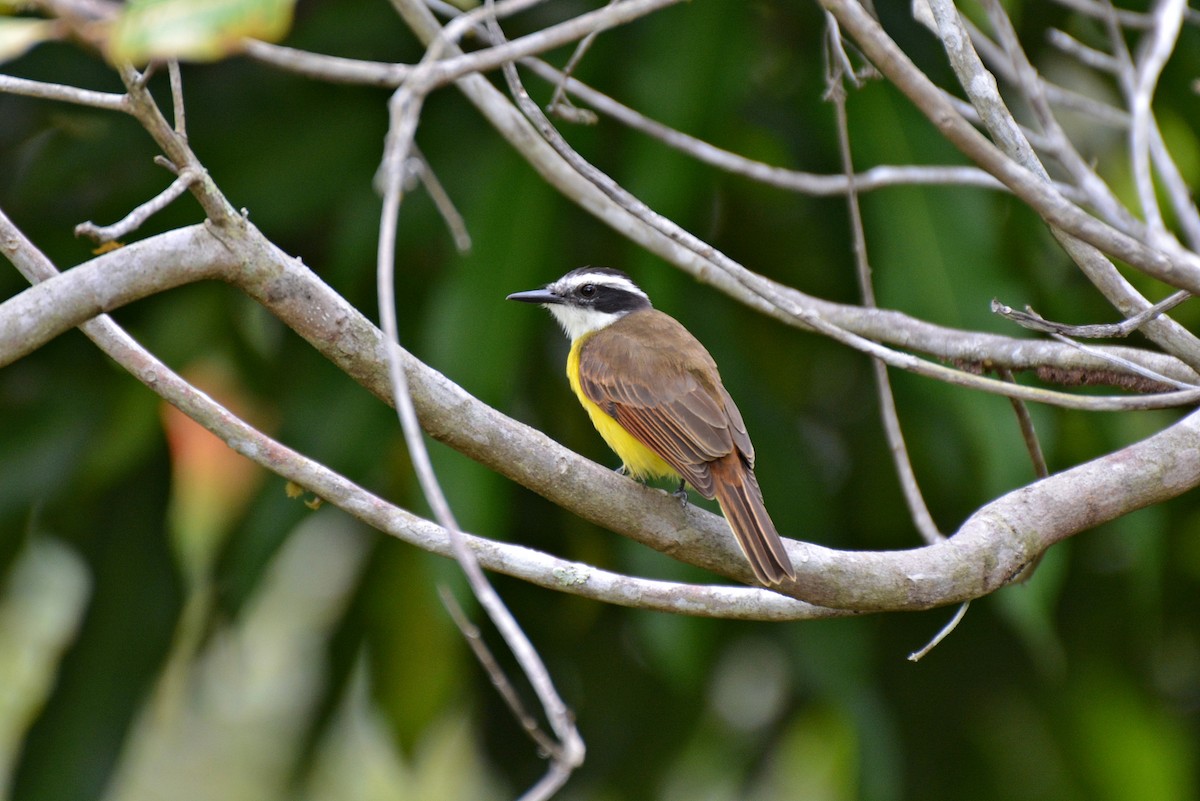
column 535, row 296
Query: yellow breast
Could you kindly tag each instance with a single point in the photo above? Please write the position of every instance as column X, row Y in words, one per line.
column 640, row 461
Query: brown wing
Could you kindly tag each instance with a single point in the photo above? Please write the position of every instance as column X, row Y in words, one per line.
column 667, row 396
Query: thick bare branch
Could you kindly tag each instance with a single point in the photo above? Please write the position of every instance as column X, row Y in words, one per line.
column 989, row 548
column 37, row 315
column 164, row 254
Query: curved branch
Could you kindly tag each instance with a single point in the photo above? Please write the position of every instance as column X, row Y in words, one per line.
column 987, row 550
column 538, row 568
column 47, row 309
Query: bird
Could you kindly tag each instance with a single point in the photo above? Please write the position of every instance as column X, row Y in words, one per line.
column 655, row 395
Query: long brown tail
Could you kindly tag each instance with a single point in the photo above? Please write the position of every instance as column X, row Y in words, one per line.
column 741, row 500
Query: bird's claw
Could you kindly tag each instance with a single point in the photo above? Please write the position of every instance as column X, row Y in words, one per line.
column 681, row 494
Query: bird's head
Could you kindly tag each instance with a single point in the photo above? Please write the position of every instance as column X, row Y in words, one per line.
column 587, row 299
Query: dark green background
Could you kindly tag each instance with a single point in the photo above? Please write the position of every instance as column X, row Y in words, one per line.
column 1084, row 684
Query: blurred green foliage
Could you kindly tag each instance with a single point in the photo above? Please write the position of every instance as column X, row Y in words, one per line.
column 321, row 664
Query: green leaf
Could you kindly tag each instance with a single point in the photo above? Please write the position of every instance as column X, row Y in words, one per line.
column 195, row 30
column 18, row 35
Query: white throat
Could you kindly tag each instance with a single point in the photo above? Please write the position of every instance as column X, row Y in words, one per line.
column 579, row 322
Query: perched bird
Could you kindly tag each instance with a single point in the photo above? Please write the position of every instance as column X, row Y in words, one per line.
column 654, row 394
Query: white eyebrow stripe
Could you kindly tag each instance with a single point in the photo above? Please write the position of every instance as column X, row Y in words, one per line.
column 568, row 283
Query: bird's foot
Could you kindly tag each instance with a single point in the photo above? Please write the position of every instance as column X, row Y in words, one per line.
column 681, row 494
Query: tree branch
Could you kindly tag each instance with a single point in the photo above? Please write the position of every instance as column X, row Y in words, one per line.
column 988, row 549
column 1170, row 264
column 163, row 254
column 839, row 72
column 107, row 101
column 374, row 73
column 135, row 218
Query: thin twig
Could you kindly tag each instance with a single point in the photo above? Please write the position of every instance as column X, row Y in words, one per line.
column 559, row 105
column 837, row 65
column 404, row 107
column 571, row 746
column 1088, row 56
column 144, row 107
column 1033, row 447
column 1126, row 18
column 442, row 201
column 917, row 656
column 548, row 38
column 1035, row 322
column 65, row 94
column 335, row 69
column 496, row 675
column 1159, row 44
column 1028, row 433
column 1062, row 332
column 1179, row 191
column 138, row 216
column 179, row 116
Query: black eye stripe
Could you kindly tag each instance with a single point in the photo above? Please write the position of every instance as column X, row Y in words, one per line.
column 615, row 299
column 604, row 290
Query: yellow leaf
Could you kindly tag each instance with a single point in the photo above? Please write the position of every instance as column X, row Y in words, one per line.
column 108, row 247
column 194, row 30
column 18, row 35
